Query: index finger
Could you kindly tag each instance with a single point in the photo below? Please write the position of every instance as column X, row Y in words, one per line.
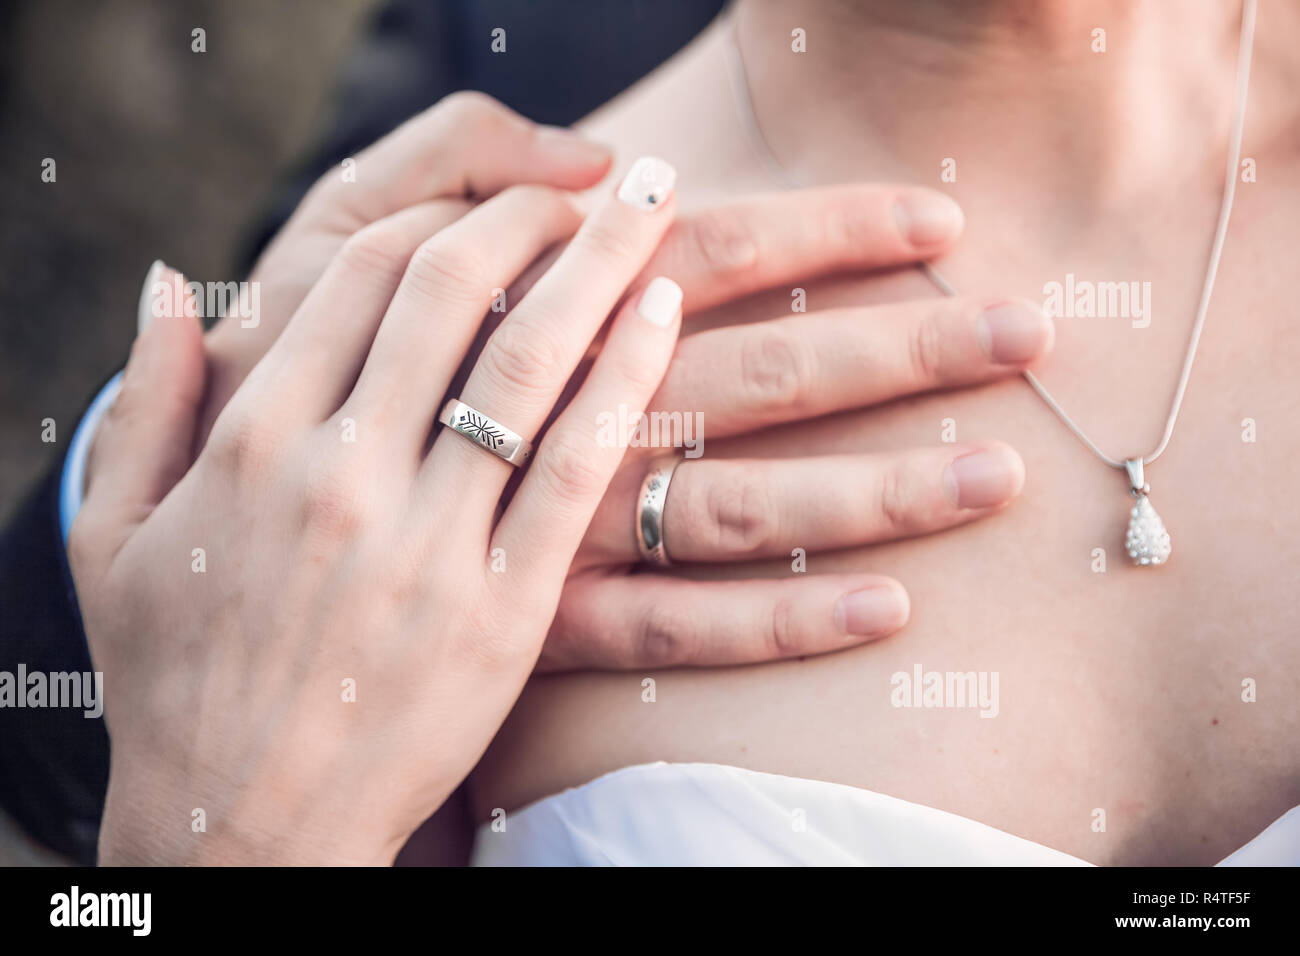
column 732, row 250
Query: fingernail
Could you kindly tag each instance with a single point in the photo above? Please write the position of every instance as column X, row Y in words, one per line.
column 660, row 301
column 648, row 184
column 1012, row 333
column 570, row 147
column 872, row 611
column 926, row 217
column 984, row 478
column 144, row 311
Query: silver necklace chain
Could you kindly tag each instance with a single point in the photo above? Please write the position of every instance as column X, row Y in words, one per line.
column 763, row 150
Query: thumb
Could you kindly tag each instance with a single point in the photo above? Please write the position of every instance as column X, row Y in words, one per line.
column 144, row 445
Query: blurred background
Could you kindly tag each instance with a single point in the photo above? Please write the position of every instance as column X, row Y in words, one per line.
column 160, row 152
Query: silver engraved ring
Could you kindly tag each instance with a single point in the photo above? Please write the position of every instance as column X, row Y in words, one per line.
column 650, row 510
column 486, row 432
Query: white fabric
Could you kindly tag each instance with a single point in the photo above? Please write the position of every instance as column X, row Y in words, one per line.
column 699, row 814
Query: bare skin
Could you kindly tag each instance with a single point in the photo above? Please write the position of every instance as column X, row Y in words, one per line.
column 1121, row 690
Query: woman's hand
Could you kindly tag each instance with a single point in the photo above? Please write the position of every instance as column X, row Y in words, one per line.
column 430, row 171
column 309, row 636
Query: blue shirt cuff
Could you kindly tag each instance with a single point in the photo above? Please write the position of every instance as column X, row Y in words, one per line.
column 72, row 483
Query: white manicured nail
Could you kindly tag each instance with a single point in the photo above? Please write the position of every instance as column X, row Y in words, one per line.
column 648, row 184
column 660, row 302
column 144, row 311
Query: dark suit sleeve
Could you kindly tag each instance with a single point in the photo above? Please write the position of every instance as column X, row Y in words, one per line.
column 53, row 760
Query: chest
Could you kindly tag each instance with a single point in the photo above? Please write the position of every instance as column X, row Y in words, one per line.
column 1157, row 707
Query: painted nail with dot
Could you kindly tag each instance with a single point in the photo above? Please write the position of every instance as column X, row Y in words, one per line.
column 648, row 184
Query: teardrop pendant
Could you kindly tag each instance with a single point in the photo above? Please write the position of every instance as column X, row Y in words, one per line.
column 1147, row 540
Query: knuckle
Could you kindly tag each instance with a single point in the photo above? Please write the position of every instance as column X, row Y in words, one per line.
column 376, row 248
column 849, row 228
column 524, row 357
column 554, row 211
column 405, row 584
column 243, row 444
column 664, row 637
column 773, row 371
column 898, row 500
column 445, row 269
column 786, row 635
column 332, row 506
column 739, row 514
column 925, row 348
column 322, row 188
column 722, row 243
column 326, row 207
column 530, row 196
column 570, row 469
column 466, row 106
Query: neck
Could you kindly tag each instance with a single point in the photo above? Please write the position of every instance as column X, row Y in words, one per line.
column 1004, row 87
